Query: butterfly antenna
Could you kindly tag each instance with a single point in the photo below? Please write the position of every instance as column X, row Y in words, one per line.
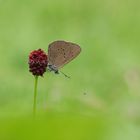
column 65, row 75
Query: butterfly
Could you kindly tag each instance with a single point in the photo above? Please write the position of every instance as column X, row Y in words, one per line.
column 61, row 53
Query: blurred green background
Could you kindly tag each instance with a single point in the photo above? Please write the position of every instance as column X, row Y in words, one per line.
column 101, row 101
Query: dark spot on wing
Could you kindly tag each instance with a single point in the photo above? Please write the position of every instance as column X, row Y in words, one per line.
column 64, row 55
column 72, row 54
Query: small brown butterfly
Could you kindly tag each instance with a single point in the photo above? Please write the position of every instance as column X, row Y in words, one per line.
column 61, row 53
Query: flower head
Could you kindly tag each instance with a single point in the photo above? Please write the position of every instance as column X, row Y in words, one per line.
column 38, row 62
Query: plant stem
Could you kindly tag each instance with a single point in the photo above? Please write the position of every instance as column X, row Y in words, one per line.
column 35, row 95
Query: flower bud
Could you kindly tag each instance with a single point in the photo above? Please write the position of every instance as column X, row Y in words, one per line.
column 38, row 62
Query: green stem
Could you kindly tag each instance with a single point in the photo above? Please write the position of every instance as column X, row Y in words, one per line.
column 35, row 95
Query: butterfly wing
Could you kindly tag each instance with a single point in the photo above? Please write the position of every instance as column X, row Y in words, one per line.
column 62, row 52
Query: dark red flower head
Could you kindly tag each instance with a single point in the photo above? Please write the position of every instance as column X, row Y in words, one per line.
column 38, row 62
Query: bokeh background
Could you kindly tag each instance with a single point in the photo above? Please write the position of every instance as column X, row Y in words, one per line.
column 101, row 101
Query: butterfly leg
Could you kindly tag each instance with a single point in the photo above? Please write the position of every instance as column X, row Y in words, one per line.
column 56, row 72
